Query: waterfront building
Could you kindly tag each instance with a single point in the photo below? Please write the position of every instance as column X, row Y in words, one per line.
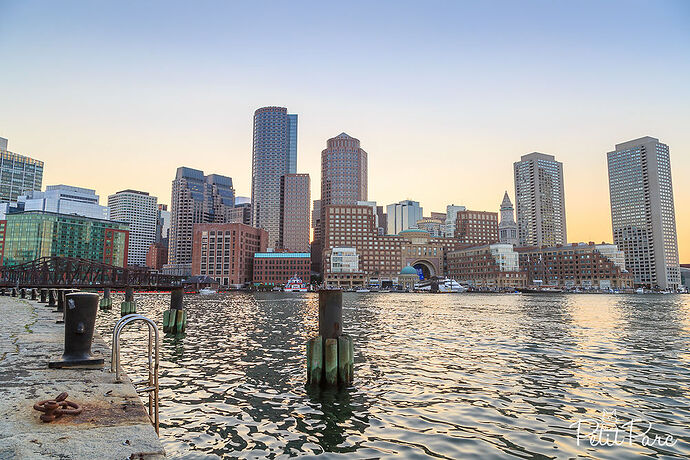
column 507, row 227
column 29, row 235
column 576, row 265
column 64, row 199
column 295, row 204
column 317, row 240
column 276, row 268
column 540, row 200
column 18, row 174
column 490, row 266
column 450, row 221
column 195, row 199
column 643, row 213
column 157, row 256
column 403, row 215
column 380, row 257
column 225, row 252
column 476, row 227
column 140, row 211
column 433, row 225
column 274, row 154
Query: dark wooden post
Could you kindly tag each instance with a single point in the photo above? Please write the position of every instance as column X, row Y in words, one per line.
column 175, row 319
column 330, row 355
column 129, row 306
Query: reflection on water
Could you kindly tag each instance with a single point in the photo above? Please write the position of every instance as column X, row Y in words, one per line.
column 448, row 376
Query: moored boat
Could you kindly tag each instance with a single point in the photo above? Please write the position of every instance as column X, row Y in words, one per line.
column 295, row 284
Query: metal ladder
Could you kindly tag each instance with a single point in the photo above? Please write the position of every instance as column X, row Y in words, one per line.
column 152, row 383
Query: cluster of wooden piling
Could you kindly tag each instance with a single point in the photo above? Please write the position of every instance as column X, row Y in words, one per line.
column 129, row 306
column 330, row 355
column 175, row 319
column 106, row 302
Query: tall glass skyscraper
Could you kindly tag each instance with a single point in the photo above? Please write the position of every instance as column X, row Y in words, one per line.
column 195, row 199
column 540, row 200
column 274, row 155
column 18, row 174
column 643, row 213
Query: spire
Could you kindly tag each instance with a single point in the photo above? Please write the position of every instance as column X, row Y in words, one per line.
column 506, row 203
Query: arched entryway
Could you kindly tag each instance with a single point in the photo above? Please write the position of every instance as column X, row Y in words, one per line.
column 425, row 269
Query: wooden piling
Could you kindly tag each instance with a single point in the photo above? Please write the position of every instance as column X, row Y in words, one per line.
column 175, row 319
column 330, row 363
column 344, row 360
column 316, row 365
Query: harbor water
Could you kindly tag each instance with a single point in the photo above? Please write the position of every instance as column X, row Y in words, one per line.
column 446, row 376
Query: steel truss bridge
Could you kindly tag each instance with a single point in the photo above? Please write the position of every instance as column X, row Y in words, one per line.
column 55, row 272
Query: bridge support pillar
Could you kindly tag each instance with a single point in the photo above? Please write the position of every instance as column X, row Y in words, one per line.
column 106, row 302
column 129, row 306
column 330, row 355
column 175, row 319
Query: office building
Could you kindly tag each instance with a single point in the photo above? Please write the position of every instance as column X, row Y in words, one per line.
column 18, row 174
column 157, row 256
column 576, row 265
column 433, row 225
column 507, row 227
column 476, row 227
column 65, row 199
column 491, row 266
column 29, row 235
column 540, row 200
column 274, row 155
column 295, row 204
column 344, row 175
column 225, row 252
column 643, row 213
column 450, row 220
column 162, row 225
column 276, row 268
column 195, row 199
column 403, row 216
column 140, row 211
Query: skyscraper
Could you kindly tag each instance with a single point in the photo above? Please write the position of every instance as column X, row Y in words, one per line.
column 507, row 228
column 540, row 200
column 18, row 174
column 139, row 210
column 195, row 199
column 294, row 212
column 403, row 216
column 274, row 155
column 642, row 211
column 343, row 172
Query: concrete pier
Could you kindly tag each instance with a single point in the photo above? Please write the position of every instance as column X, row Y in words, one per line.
column 113, row 424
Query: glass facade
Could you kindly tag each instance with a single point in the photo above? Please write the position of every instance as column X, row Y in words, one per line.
column 31, row 235
column 18, row 174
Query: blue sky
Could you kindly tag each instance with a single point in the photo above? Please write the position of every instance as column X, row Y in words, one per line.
column 443, row 95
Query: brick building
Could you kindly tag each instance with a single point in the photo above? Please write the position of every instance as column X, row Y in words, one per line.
column 276, row 268
column 381, row 257
column 576, row 265
column 157, row 256
column 493, row 266
column 477, row 227
column 225, row 252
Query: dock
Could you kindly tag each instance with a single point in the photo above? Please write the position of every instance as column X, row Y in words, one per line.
column 113, row 424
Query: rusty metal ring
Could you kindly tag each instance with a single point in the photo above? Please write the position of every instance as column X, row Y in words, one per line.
column 76, row 408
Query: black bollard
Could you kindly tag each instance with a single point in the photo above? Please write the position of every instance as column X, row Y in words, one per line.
column 44, row 295
column 22, row 293
column 34, row 294
column 14, row 292
column 80, row 320
column 330, row 313
column 51, row 298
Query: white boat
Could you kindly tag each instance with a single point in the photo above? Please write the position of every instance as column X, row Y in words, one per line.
column 363, row 290
column 639, row 291
column 207, row 291
column 295, row 284
column 444, row 285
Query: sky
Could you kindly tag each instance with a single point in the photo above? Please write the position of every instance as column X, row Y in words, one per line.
column 444, row 96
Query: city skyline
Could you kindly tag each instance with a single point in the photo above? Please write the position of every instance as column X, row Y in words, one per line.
column 564, row 108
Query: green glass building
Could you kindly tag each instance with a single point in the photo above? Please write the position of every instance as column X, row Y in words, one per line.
column 29, row 235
